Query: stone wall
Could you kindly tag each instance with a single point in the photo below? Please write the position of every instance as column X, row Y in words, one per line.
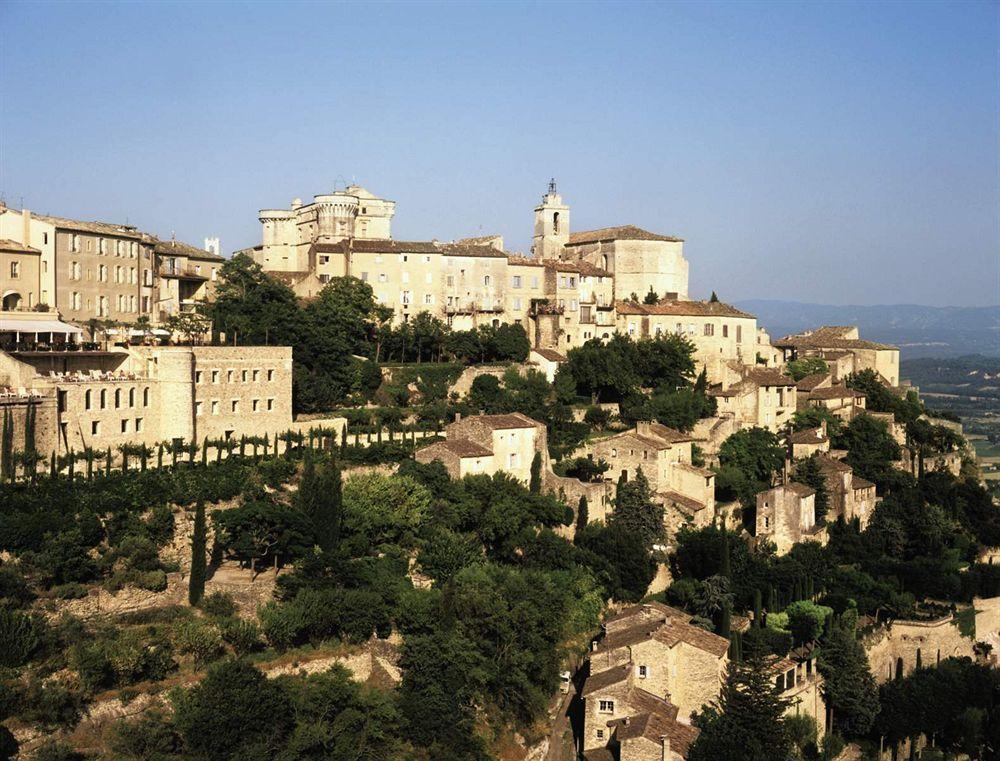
column 899, row 642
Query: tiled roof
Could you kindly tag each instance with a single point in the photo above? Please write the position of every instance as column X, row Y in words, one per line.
column 694, row 636
column 102, row 228
column 466, row 448
column 639, row 632
column 671, row 435
column 523, row 261
column 703, row 472
column 385, row 246
column 506, row 421
column 12, row 245
column 482, row 240
column 800, row 490
column 604, row 679
column 767, row 376
column 835, row 392
column 461, row 249
column 646, row 608
column 622, row 232
column 550, row 354
column 830, row 465
column 580, row 266
column 687, row 504
column 177, row 248
column 808, row 436
column 810, row 382
column 654, row 726
column 682, row 309
column 828, row 337
column 857, row 482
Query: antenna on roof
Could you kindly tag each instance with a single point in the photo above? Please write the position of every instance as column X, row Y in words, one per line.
column 552, row 186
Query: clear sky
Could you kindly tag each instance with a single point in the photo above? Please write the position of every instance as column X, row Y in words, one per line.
column 838, row 153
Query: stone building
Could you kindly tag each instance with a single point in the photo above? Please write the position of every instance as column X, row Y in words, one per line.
column 894, row 648
column 846, row 403
column 808, row 442
column 786, row 515
column 147, row 395
column 842, row 348
column 101, row 270
column 850, row 496
column 799, row 681
column 755, row 396
column 650, row 659
column 720, row 333
column 664, row 456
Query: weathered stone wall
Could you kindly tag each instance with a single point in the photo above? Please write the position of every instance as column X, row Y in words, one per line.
column 900, row 641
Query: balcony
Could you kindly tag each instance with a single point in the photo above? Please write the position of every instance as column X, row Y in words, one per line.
column 472, row 307
column 543, row 306
column 185, row 272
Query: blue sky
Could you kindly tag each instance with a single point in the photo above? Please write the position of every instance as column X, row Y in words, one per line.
column 838, row 153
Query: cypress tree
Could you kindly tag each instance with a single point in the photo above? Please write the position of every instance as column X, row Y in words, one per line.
column 243, row 444
column 725, row 623
column 7, row 448
column 320, row 497
column 196, row 582
column 726, row 569
column 772, row 600
column 757, row 608
column 343, row 443
column 797, row 592
column 107, row 466
column 72, row 464
column 144, row 454
column 125, row 450
column 89, row 454
column 204, row 452
column 582, row 514
column 53, row 468
column 535, row 483
column 173, row 454
column 919, row 662
column 810, row 589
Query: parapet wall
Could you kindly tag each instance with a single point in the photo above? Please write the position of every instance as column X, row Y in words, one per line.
column 896, row 646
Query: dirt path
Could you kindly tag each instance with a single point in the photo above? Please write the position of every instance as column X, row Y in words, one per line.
column 559, row 727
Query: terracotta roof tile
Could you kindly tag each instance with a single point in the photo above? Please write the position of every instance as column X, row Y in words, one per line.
column 6, row 244
column 835, row 392
column 103, row 228
column 622, row 232
column 768, row 376
column 808, row 436
column 582, row 267
column 385, row 246
column 550, row 354
column 461, row 249
column 810, row 382
column 177, row 248
column 518, row 260
column 682, row 309
column 800, row 490
column 604, row 679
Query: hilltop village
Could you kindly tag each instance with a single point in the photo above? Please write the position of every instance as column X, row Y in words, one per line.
column 344, row 496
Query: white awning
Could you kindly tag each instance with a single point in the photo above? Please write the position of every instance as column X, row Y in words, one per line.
column 36, row 326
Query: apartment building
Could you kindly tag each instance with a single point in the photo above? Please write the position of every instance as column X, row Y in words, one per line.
column 98, row 270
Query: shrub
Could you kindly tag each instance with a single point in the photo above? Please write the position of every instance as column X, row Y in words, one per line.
column 199, row 639
column 283, row 625
column 70, row 591
column 21, row 635
column 242, row 636
column 151, row 736
column 56, row 750
column 51, row 704
column 219, row 604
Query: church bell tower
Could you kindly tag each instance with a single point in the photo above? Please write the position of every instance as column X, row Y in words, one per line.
column 551, row 226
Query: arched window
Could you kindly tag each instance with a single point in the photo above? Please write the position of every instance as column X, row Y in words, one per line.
column 131, row 397
column 899, row 668
column 118, row 398
column 604, row 262
column 104, row 398
column 86, row 401
column 145, row 397
column 555, row 223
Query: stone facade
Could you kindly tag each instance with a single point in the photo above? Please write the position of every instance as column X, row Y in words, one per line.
column 754, row 396
column 786, row 515
column 844, row 350
column 147, row 395
column 650, row 650
column 850, row 496
column 894, row 648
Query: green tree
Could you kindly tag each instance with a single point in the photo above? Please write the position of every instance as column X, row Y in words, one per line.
column 199, row 537
column 755, row 454
column 809, row 472
column 800, row 368
column 253, row 308
column 235, row 712
column 535, row 480
column 747, row 721
column 582, row 514
column 651, row 297
column 636, row 512
column 849, row 687
column 871, row 450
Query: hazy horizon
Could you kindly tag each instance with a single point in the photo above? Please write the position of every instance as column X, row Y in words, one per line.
column 830, row 154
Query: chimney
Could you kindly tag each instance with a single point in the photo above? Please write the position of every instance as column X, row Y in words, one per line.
column 666, row 748
column 642, row 427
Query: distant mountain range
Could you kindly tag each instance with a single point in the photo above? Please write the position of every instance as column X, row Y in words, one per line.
column 918, row 331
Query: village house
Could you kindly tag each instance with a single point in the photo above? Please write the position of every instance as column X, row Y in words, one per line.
column 755, row 397
column 548, row 362
column 808, row 441
column 800, row 682
column 786, row 515
column 850, row 496
column 664, row 456
column 846, row 403
column 650, row 660
column 844, row 350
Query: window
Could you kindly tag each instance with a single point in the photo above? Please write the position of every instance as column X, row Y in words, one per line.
column 102, row 273
column 643, row 672
column 256, row 375
column 75, row 300
column 215, row 406
column 614, row 452
column 270, row 404
column 555, row 223
column 256, row 405
column 725, row 331
column 104, row 399
column 229, row 376
column 517, row 303
column 709, row 329
column 513, row 460
column 406, row 277
column 15, row 269
column 451, row 280
column 215, row 376
column 534, row 281
column 428, row 299
column 118, row 398
column 516, row 281
column 243, row 376
column 486, row 279
column 74, row 243
column 739, row 333
column 606, row 706
column 270, row 375
column 45, row 238
column 131, row 397
column 145, row 397
column 95, row 428
column 404, row 258
column 382, row 278
column 324, row 260
column 125, row 425
column 235, row 406
column 600, row 734
column 86, row 399
column 197, row 409
column 197, row 376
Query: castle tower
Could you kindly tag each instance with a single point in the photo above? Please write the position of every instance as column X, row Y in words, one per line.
column 551, row 226
column 213, row 247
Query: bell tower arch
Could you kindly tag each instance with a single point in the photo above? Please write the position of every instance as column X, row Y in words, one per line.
column 551, row 225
